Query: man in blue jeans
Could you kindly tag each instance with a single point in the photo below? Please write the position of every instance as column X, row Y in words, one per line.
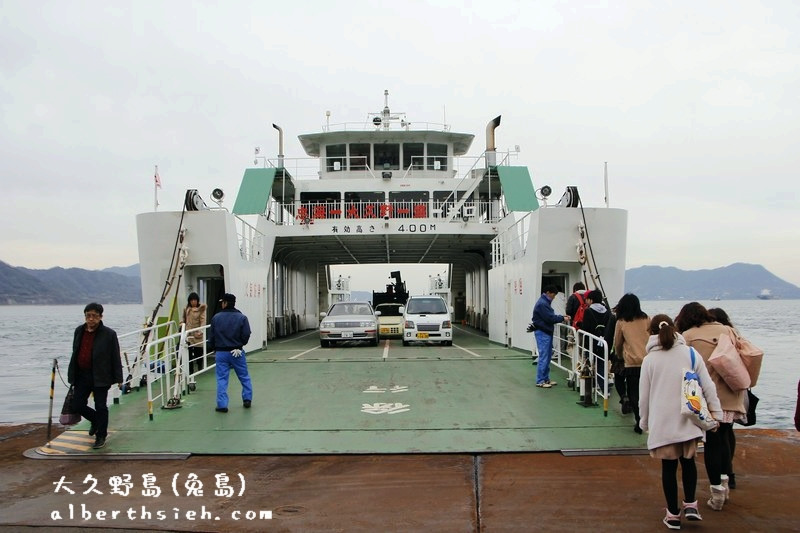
column 545, row 319
column 228, row 333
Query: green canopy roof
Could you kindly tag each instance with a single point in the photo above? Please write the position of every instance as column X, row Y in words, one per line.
column 518, row 188
column 254, row 191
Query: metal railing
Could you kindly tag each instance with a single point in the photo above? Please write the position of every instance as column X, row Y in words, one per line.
column 311, row 212
column 584, row 357
column 134, row 354
column 434, row 166
column 512, row 243
column 167, row 369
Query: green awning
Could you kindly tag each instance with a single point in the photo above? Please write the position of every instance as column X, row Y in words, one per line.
column 254, row 191
column 518, row 188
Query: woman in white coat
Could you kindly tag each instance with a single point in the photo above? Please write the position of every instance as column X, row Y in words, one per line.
column 671, row 436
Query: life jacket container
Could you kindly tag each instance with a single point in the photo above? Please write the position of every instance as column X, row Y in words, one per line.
column 578, row 318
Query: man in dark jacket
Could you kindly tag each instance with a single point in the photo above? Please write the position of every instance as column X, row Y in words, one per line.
column 95, row 365
column 545, row 319
column 594, row 322
column 228, row 333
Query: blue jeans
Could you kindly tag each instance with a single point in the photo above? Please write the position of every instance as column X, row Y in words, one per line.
column 544, row 343
column 224, row 363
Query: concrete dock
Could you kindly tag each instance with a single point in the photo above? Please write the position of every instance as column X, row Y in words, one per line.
column 546, row 491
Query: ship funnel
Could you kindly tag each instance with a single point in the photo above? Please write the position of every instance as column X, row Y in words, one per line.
column 491, row 148
column 280, row 145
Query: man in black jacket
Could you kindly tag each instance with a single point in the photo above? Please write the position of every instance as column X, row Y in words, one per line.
column 95, row 366
column 595, row 319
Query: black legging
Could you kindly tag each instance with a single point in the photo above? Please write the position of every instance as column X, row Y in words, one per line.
column 717, row 455
column 669, row 481
column 632, row 375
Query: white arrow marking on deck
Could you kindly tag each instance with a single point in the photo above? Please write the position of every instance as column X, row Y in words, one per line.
column 386, row 349
column 468, row 351
column 384, row 408
column 303, row 353
column 372, row 389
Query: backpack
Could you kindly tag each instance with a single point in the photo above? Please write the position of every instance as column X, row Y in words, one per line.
column 578, row 318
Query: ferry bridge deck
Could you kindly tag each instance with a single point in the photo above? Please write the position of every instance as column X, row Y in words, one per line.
column 473, row 397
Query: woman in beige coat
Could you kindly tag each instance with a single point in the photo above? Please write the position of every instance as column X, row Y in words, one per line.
column 194, row 316
column 702, row 332
column 630, row 340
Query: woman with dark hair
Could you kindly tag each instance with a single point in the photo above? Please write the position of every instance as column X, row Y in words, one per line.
column 701, row 331
column 671, row 436
column 194, row 316
column 630, row 342
column 721, row 316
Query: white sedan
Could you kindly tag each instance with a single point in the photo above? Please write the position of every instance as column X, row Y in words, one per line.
column 349, row 321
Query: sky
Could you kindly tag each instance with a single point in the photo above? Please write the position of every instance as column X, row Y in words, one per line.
column 694, row 105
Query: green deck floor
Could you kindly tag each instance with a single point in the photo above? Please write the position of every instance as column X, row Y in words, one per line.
column 473, row 397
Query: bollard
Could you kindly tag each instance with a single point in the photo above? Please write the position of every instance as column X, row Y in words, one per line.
column 52, row 392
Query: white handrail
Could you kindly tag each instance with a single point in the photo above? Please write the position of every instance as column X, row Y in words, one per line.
column 576, row 345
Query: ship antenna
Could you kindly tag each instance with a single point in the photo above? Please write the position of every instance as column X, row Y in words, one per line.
column 386, row 113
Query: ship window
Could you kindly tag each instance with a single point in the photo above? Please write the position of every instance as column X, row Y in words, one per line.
column 413, row 156
column 360, row 156
column 364, row 196
column 387, row 156
column 320, row 197
column 363, row 204
column 335, row 156
column 443, row 201
column 409, row 196
column 437, row 156
column 409, row 204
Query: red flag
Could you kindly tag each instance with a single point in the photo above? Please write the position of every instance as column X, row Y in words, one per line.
column 157, row 178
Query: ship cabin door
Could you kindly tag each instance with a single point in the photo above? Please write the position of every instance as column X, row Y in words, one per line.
column 561, row 281
column 210, row 291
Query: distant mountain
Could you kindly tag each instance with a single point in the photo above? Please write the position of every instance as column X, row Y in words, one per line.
column 361, row 296
column 58, row 285
column 739, row 281
column 132, row 271
column 121, row 285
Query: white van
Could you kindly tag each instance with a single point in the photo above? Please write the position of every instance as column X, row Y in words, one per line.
column 427, row 319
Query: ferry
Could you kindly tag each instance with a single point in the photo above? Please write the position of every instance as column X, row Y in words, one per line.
column 386, row 190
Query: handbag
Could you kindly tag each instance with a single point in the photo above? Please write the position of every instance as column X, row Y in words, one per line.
column 693, row 401
column 751, row 357
column 68, row 415
column 727, row 362
column 751, row 401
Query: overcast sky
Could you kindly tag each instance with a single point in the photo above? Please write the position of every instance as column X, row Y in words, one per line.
column 695, row 106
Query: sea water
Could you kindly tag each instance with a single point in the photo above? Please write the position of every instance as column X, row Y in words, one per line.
column 31, row 337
